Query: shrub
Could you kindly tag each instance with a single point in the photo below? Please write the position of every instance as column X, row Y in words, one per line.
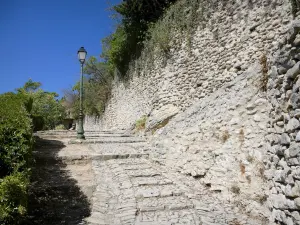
column 141, row 123
column 15, row 132
column 38, row 122
column 60, row 127
column 13, row 198
column 263, row 82
column 225, row 136
column 235, row 189
column 15, row 157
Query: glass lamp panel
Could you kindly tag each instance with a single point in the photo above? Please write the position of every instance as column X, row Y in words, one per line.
column 81, row 55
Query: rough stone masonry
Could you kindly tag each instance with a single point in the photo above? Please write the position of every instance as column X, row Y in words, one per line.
column 231, row 110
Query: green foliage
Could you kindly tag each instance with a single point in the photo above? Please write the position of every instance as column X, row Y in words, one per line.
column 15, row 133
column 45, row 105
column 42, row 104
column 126, row 43
column 141, row 123
column 60, row 127
column 96, row 89
column 38, row 122
column 15, row 157
column 147, row 30
column 13, row 198
column 30, row 86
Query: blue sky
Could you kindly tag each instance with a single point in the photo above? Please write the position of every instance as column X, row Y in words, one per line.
column 39, row 39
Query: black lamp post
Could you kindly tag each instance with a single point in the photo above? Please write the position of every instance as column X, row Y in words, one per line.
column 81, row 56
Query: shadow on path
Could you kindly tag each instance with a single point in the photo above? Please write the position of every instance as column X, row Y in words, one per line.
column 54, row 196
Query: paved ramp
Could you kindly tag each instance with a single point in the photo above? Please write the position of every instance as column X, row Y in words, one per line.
column 112, row 172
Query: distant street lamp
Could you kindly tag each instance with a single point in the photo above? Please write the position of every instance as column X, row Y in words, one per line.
column 81, row 56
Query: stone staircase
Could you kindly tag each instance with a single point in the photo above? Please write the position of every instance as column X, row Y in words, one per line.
column 121, row 184
column 131, row 191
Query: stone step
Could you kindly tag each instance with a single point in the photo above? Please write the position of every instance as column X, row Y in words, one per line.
column 70, row 159
column 150, row 181
column 143, row 173
column 155, row 191
column 97, row 218
column 166, row 217
column 130, row 167
column 164, row 203
column 108, row 140
column 87, row 136
column 116, row 148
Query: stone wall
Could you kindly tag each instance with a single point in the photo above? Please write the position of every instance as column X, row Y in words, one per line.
column 233, row 39
column 210, row 117
column 283, row 164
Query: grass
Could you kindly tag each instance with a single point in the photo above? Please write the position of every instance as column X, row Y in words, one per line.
column 141, row 123
column 261, row 199
column 180, row 20
column 234, row 222
column 242, row 168
column 250, row 158
column 242, row 137
column 235, row 189
column 225, row 136
column 263, row 83
column 60, row 127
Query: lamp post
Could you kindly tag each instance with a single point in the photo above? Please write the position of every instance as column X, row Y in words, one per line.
column 81, row 56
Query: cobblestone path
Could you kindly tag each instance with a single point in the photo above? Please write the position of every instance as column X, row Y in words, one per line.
column 131, row 191
column 110, row 179
column 127, row 186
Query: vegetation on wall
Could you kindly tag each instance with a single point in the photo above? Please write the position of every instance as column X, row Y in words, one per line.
column 141, row 33
column 146, row 32
column 126, row 43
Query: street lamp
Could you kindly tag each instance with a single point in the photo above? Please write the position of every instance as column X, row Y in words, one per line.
column 81, row 56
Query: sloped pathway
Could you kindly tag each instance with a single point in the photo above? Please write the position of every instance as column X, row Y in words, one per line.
column 113, row 175
column 110, row 179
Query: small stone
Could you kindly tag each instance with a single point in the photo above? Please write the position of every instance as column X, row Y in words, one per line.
column 294, row 150
column 297, row 202
column 296, row 215
column 298, row 137
column 295, row 100
column 257, row 118
column 271, row 35
column 280, row 123
column 292, row 125
column 293, row 162
column 285, row 139
column 297, row 40
column 278, row 201
column 252, row 112
column 297, row 113
column 288, row 94
column 250, row 106
column 296, row 190
column 282, row 70
column 289, row 221
column 294, row 71
column 273, row 72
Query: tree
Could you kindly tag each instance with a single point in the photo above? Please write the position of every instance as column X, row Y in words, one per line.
column 42, row 104
column 126, row 43
column 30, row 86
